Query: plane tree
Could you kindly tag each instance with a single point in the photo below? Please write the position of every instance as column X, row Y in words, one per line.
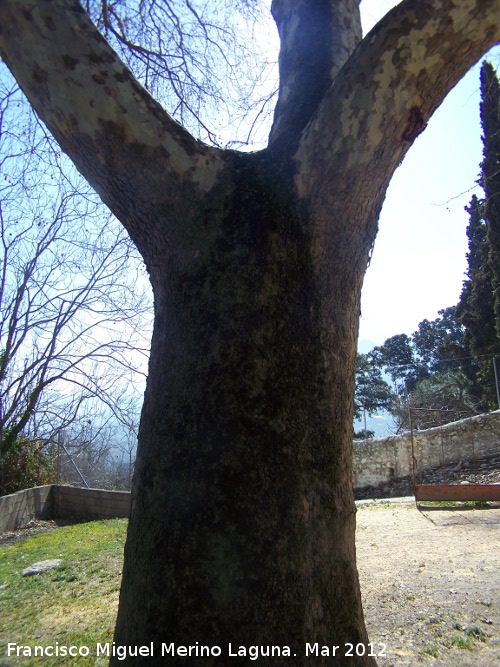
column 242, row 522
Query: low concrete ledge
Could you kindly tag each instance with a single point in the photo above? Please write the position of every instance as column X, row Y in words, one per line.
column 57, row 502
column 20, row 508
column 76, row 502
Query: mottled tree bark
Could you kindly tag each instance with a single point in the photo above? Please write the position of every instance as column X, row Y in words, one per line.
column 242, row 525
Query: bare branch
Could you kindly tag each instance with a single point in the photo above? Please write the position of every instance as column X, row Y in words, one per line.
column 74, row 305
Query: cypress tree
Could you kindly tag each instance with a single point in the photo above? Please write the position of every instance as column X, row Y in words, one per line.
column 490, row 177
column 475, row 309
column 479, row 307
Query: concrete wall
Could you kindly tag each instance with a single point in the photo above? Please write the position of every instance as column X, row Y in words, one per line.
column 19, row 508
column 53, row 502
column 75, row 502
column 378, row 460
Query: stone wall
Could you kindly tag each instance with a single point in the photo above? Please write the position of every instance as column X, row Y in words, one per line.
column 379, row 460
column 375, row 461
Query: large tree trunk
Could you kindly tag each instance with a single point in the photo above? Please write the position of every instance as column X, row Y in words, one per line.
column 242, row 524
column 242, row 529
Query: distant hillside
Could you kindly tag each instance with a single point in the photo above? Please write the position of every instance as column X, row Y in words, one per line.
column 381, row 425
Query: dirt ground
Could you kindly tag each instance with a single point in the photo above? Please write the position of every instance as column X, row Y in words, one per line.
column 430, row 582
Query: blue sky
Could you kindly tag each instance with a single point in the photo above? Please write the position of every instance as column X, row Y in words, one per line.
column 419, row 259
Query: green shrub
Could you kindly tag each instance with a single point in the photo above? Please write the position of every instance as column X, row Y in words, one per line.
column 27, row 463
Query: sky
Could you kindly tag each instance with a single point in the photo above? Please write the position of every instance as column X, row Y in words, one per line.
column 419, row 259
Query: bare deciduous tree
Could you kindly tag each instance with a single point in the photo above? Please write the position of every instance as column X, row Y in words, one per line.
column 93, row 451
column 74, row 319
column 212, row 64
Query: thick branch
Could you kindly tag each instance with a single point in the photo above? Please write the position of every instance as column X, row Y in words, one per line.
column 384, row 96
column 122, row 141
column 380, row 101
column 316, row 40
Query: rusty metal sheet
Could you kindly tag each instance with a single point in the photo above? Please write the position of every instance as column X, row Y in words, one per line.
column 478, row 492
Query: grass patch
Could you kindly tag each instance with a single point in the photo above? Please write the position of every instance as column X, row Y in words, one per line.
column 468, row 640
column 464, row 504
column 462, row 642
column 72, row 605
column 475, row 633
column 429, row 649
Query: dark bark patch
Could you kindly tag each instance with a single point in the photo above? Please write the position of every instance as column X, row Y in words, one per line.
column 70, row 62
column 77, row 7
column 415, row 126
column 99, row 78
column 50, row 24
column 122, row 76
column 27, row 15
column 40, row 75
column 100, row 58
column 139, row 150
column 490, row 32
column 434, row 44
column 73, row 122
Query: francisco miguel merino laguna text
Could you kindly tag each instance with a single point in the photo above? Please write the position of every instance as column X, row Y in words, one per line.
column 252, row 652
column 122, row 652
